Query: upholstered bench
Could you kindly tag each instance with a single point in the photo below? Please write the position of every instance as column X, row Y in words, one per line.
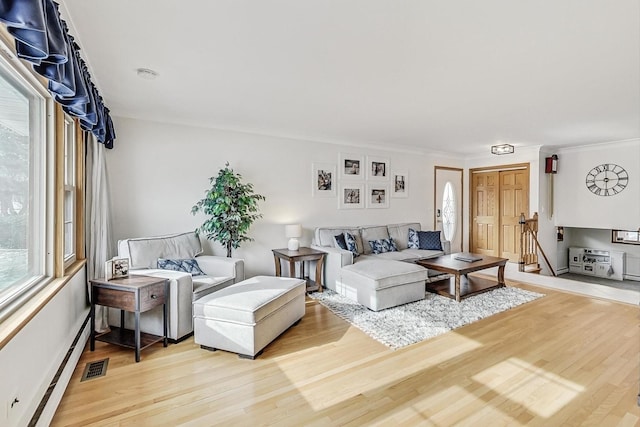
column 245, row 317
column 380, row 284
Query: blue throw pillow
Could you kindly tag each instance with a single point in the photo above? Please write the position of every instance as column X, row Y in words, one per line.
column 184, row 265
column 413, row 242
column 339, row 239
column 430, row 240
column 383, row 245
column 351, row 244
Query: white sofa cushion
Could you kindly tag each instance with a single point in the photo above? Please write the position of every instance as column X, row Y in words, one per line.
column 144, row 252
column 400, row 233
column 372, row 233
column 326, row 236
column 381, row 274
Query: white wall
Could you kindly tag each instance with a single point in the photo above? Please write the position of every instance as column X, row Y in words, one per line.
column 30, row 360
column 576, row 206
column 158, row 171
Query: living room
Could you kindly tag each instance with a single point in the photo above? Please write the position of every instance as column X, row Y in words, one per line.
column 277, row 91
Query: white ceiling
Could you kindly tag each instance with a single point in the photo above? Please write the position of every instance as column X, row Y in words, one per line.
column 424, row 75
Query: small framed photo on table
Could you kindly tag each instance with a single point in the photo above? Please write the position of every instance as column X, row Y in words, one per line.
column 116, row 268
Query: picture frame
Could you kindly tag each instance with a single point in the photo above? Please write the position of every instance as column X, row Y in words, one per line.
column 351, row 196
column 323, row 180
column 377, row 196
column 400, row 184
column 351, row 167
column 116, row 268
column 377, row 168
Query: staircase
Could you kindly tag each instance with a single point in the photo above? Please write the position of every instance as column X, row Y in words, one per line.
column 529, row 246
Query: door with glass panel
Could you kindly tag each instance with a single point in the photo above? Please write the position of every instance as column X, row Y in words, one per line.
column 448, row 205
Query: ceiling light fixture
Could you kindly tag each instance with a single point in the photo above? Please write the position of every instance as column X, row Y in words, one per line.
column 146, row 73
column 502, row 149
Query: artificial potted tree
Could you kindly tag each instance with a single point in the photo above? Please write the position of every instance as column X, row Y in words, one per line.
column 232, row 207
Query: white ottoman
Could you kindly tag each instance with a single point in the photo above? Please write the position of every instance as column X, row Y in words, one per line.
column 245, row 317
column 379, row 284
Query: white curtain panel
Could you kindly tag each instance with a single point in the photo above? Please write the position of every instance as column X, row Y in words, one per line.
column 99, row 236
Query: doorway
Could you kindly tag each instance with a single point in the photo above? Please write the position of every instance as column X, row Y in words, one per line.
column 448, row 205
column 498, row 196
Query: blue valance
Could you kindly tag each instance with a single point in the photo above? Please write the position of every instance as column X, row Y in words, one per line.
column 43, row 39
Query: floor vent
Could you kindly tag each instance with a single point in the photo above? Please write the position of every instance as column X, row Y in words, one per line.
column 95, row 369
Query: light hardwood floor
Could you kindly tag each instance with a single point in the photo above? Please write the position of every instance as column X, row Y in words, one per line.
column 562, row 360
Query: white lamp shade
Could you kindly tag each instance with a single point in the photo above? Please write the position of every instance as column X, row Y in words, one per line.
column 293, row 230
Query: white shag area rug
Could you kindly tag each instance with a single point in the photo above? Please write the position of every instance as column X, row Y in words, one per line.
column 407, row 324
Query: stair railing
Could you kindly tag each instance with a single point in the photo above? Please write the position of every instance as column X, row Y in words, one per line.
column 529, row 245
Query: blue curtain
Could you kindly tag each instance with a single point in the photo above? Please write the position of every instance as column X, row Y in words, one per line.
column 43, row 39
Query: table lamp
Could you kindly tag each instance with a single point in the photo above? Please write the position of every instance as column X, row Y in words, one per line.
column 293, row 231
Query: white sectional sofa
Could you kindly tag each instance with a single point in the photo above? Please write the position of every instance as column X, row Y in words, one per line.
column 377, row 281
column 184, row 288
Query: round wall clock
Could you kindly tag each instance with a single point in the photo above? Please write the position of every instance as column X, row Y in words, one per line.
column 607, row 179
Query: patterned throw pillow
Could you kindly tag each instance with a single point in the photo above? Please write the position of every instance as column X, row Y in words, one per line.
column 185, row 265
column 430, row 240
column 383, row 245
column 351, row 244
column 339, row 239
column 413, row 242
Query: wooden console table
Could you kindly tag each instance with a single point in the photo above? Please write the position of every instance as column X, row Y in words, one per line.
column 301, row 255
column 136, row 294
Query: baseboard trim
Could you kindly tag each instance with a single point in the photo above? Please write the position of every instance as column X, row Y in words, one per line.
column 49, row 402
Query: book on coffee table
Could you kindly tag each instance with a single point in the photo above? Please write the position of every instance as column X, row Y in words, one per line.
column 466, row 256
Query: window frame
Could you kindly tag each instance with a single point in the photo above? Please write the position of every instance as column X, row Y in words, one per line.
column 40, row 183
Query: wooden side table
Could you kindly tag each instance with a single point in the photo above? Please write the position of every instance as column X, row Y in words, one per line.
column 136, row 294
column 301, row 255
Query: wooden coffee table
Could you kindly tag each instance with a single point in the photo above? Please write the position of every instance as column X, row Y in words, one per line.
column 461, row 285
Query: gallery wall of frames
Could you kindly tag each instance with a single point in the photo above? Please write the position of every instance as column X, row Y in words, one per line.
column 359, row 181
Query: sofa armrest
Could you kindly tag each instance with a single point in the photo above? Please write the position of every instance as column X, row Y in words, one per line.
column 222, row 266
column 334, row 260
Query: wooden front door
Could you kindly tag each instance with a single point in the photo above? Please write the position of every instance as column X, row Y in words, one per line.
column 499, row 196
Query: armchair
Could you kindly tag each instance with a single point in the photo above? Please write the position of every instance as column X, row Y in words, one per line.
column 143, row 254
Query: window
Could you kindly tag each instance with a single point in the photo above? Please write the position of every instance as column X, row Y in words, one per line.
column 23, row 166
column 69, row 190
column 626, row 236
column 449, row 212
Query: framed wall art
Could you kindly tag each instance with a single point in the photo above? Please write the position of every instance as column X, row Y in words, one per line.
column 377, row 196
column 377, row 169
column 400, row 184
column 351, row 167
column 351, row 196
column 323, row 180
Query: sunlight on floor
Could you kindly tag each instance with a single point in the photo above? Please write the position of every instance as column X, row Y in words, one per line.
column 381, row 375
column 541, row 392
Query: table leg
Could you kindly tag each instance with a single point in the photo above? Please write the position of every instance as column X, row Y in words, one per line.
column 278, row 268
column 501, row 275
column 137, row 336
column 302, row 269
column 292, row 269
column 92, row 313
column 164, row 321
column 457, row 288
column 319, row 272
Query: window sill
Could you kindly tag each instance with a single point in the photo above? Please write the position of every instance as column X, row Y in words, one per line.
column 21, row 315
